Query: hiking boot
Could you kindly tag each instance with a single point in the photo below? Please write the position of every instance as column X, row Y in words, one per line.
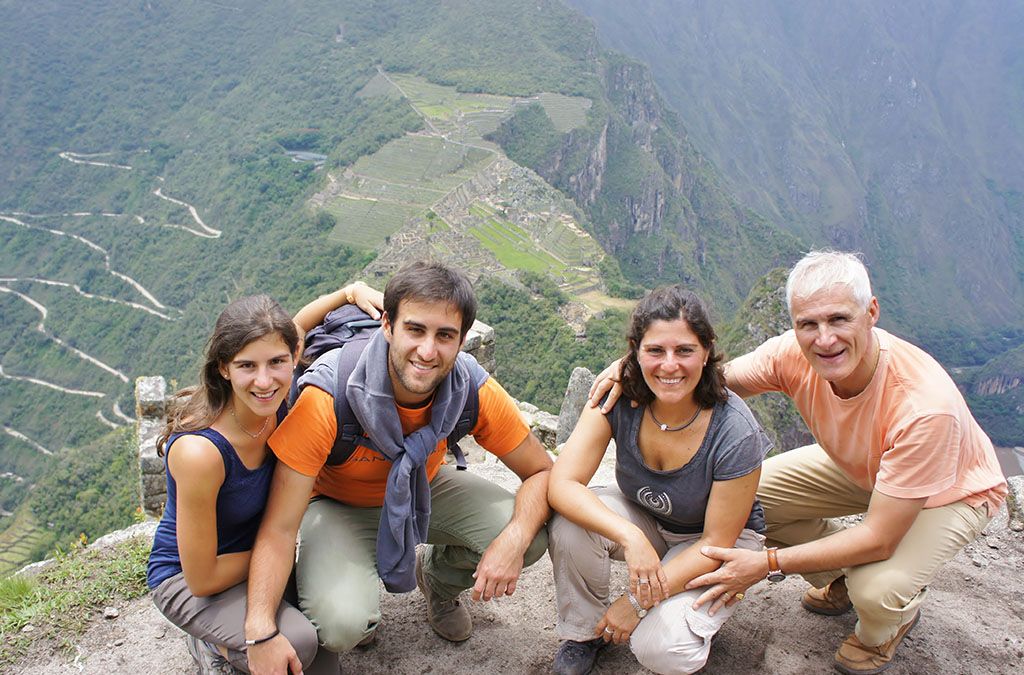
column 577, row 658
column 856, row 658
column 449, row 618
column 830, row 601
column 208, row 657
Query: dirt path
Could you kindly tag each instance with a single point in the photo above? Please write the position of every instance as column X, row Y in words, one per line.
column 208, row 232
column 92, row 296
column 973, row 622
column 41, row 327
column 51, row 385
column 96, row 247
column 14, row 433
column 80, row 158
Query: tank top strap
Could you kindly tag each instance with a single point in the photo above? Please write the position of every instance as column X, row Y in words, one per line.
column 227, row 451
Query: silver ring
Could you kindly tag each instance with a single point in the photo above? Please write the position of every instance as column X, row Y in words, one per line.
column 609, row 630
column 644, row 582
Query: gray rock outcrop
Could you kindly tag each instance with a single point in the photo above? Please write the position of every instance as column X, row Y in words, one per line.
column 573, row 403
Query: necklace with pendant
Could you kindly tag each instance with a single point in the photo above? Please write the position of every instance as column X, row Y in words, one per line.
column 665, row 427
column 266, row 421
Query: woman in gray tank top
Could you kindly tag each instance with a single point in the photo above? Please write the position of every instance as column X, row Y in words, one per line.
column 688, row 459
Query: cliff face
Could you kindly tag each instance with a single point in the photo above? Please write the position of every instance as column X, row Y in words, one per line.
column 652, row 200
column 764, row 315
column 996, row 395
column 875, row 126
column 1000, row 384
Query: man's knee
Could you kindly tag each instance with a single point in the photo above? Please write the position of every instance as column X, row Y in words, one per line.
column 341, row 625
column 686, row 656
column 887, row 588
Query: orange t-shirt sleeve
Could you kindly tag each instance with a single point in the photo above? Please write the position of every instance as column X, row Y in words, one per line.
column 756, row 371
column 923, row 460
column 304, row 439
column 499, row 428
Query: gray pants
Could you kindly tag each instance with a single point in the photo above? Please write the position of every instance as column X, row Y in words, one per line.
column 220, row 619
column 336, row 570
column 673, row 637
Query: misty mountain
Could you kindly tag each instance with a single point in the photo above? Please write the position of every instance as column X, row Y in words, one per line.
column 896, row 129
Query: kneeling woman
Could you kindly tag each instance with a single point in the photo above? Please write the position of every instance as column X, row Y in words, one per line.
column 218, row 477
column 688, row 459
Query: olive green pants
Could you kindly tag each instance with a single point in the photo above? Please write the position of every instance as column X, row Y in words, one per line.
column 336, row 567
column 803, row 490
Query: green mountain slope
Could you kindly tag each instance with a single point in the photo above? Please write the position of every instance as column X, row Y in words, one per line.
column 891, row 128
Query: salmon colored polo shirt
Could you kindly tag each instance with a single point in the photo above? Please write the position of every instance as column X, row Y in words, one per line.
column 304, row 440
column 909, row 434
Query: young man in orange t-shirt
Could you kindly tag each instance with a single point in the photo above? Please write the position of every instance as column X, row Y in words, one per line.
column 368, row 513
column 895, row 441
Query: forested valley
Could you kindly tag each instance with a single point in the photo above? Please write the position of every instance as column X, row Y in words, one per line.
column 158, row 159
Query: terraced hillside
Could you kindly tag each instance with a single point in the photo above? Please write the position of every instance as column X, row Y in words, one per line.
column 448, row 191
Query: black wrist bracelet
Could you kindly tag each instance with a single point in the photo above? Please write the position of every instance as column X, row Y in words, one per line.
column 250, row 643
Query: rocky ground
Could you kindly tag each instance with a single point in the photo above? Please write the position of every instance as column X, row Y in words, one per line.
column 973, row 622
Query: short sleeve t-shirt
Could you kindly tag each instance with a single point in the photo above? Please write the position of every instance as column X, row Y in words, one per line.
column 304, row 440
column 909, row 434
column 733, row 446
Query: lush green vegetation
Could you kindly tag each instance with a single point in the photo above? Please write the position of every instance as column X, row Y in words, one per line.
column 651, row 199
column 20, row 542
column 92, row 490
column 529, row 137
column 996, row 395
column 537, row 350
column 87, row 492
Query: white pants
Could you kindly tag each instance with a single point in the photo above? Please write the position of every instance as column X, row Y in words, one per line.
column 673, row 637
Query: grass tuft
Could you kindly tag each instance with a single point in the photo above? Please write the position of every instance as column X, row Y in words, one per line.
column 60, row 602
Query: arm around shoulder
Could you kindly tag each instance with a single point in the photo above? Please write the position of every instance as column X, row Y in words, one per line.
column 368, row 299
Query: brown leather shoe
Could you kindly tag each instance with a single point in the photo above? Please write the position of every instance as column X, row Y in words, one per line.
column 856, row 658
column 449, row 618
column 831, row 600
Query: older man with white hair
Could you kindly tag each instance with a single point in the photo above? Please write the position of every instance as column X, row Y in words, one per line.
column 895, row 441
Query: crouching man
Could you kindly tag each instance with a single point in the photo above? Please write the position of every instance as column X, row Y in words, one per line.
column 368, row 513
column 895, row 441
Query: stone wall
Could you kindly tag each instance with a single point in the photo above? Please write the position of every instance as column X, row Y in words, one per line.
column 151, row 412
column 150, row 415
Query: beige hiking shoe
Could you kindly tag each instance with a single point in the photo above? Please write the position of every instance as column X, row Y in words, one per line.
column 449, row 618
column 856, row 658
column 830, row 601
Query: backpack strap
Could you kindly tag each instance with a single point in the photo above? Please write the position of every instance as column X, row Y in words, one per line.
column 470, row 415
column 350, row 433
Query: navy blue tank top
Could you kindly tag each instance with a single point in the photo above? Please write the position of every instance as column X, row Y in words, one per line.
column 240, row 504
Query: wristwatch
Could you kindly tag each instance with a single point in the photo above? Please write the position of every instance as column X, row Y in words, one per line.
column 775, row 573
column 640, row 611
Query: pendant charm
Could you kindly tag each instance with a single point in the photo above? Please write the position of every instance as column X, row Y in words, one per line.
column 664, row 427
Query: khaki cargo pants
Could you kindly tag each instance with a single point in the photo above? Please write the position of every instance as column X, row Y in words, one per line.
column 803, row 490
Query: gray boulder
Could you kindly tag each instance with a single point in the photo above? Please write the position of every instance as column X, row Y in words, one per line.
column 573, row 402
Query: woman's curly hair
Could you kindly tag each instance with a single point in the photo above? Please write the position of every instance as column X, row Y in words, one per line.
column 670, row 303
